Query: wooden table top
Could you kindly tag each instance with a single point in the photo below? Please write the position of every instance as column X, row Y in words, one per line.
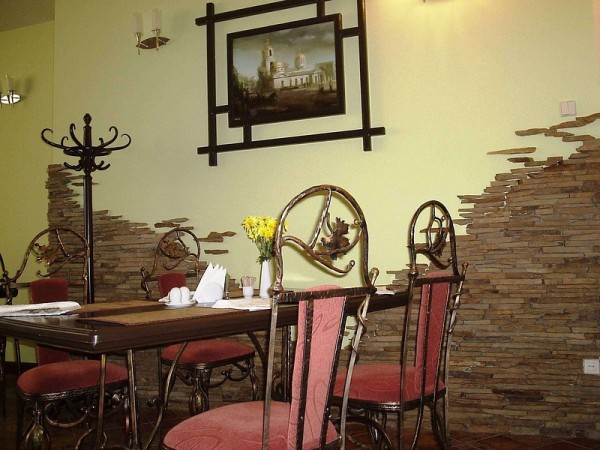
column 137, row 324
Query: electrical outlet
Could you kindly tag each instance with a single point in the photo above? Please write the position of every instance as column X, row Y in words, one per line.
column 591, row 366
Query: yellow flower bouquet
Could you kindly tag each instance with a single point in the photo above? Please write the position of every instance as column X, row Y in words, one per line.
column 261, row 231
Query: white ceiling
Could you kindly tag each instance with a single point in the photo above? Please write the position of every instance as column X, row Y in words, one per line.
column 22, row 13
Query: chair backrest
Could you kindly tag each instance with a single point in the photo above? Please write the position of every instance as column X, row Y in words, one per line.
column 63, row 251
column 178, row 249
column 49, row 290
column 439, row 297
column 168, row 281
column 336, row 247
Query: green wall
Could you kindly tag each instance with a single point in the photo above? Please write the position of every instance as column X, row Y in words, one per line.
column 451, row 80
column 28, row 55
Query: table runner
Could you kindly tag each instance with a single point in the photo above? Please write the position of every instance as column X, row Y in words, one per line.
column 138, row 312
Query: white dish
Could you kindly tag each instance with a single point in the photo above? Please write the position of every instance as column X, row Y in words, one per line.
column 206, row 304
column 179, row 305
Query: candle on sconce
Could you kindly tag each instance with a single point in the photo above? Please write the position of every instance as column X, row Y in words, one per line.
column 138, row 23
column 138, row 30
column 156, row 19
column 9, row 83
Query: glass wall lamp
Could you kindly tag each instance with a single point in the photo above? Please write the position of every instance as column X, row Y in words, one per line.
column 8, row 96
column 138, row 30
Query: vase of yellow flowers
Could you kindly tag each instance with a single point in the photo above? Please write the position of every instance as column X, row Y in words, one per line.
column 261, row 231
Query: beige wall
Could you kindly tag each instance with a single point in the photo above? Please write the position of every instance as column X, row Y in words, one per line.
column 451, row 80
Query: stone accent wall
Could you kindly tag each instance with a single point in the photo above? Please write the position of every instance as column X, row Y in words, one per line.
column 121, row 249
column 531, row 310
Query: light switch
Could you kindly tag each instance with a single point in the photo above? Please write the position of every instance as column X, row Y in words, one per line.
column 568, row 108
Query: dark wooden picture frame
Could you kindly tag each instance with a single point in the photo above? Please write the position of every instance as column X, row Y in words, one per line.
column 247, row 139
column 287, row 71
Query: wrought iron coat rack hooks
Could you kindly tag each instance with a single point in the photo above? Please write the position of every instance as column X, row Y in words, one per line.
column 87, row 154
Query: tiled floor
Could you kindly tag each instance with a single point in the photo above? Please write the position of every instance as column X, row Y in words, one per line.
column 65, row 439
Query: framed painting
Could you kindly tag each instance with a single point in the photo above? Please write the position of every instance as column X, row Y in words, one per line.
column 284, row 72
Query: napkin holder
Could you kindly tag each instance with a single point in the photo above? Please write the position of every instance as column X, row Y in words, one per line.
column 212, row 285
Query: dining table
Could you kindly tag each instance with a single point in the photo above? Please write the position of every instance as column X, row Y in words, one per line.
column 126, row 326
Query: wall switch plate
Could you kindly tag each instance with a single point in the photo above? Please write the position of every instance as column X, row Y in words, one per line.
column 591, row 366
column 568, row 108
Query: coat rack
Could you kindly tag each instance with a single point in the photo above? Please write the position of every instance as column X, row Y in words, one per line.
column 211, row 19
column 87, row 154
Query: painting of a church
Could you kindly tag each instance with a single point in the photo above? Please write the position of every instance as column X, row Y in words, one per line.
column 299, row 76
column 297, row 73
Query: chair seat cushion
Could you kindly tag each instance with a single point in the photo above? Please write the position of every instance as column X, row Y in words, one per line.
column 68, row 376
column 209, row 351
column 49, row 290
column 237, row 426
column 380, row 383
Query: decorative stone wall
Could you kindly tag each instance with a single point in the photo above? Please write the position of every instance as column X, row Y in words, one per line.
column 121, row 249
column 531, row 310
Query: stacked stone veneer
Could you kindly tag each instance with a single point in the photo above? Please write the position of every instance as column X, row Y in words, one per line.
column 121, row 249
column 531, row 310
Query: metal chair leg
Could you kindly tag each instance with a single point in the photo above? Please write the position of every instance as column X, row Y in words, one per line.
column 2, row 376
column 198, row 401
column 37, row 435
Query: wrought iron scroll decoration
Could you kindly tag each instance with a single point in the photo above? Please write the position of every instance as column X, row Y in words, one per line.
column 176, row 250
column 366, row 132
column 328, row 241
column 87, row 154
column 54, row 255
column 439, row 232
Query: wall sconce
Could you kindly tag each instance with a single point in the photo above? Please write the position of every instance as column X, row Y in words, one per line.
column 138, row 31
column 11, row 97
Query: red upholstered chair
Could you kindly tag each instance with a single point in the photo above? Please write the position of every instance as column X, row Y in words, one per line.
column 378, row 389
column 49, row 290
column 302, row 418
column 178, row 248
column 168, row 281
column 61, row 391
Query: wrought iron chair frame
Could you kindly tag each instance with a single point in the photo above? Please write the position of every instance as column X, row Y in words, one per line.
column 56, row 255
column 439, row 235
column 326, row 248
column 55, row 258
column 116, row 393
column 174, row 250
column 327, row 242
column 9, row 287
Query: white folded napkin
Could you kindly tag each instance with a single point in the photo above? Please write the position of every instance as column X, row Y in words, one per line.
column 205, row 291
column 39, row 309
column 250, row 304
